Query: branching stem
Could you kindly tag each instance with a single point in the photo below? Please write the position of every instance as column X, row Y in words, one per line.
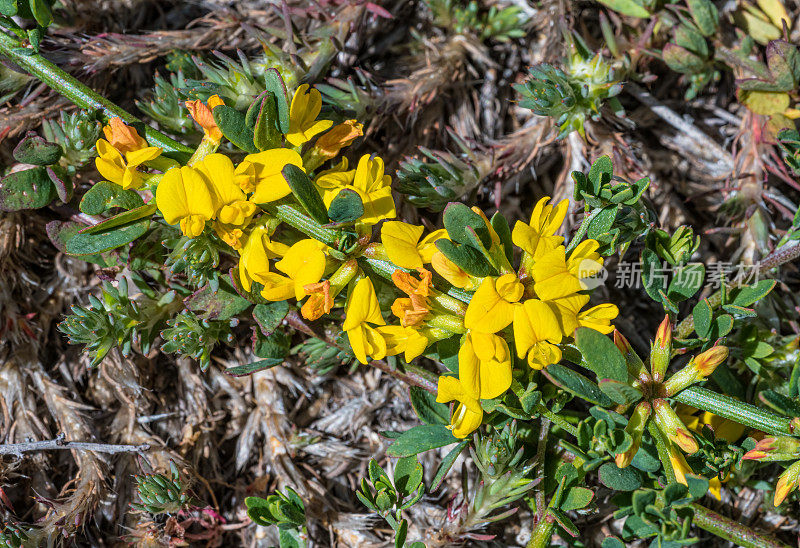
column 62, row 443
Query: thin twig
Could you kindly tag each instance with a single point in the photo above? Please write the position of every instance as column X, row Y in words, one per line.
column 61, row 443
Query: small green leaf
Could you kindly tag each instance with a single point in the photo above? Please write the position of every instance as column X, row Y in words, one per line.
column 217, row 302
column 276, row 346
column 633, row 8
column 427, row 408
column 466, row 257
column 274, row 84
column 576, row 384
column 563, row 521
column 686, row 281
column 35, row 150
column 85, row 243
column 407, row 476
column 250, row 368
column 104, row 195
column 458, row 218
column 266, row 134
column 447, row 463
column 500, row 226
column 9, row 7
column 420, row 439
column 28, row 189
column 577, row 498
column 601, row 355
column 751, row 294
column 705, row 15
column 619, row 479
column 234, row 127
column 41, row 12
column 269, row 316
column 702, row 315
column 612, row 542
column 722, row 326
column 621, row 393
column 401, row 534
column 305, row 192
column 346, row 207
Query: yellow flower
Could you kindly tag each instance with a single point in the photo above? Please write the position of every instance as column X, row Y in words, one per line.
column 202, row 114
column 370, row 182
column 539, row 236
column 468, row 414
column 451, row 272
column 363, row 309
column 123, row 137
column 184, row 197
column 536, row 333
column 303, row 124
column 255, row 255
column 406, row 340
column 724, row 429
column 403, row 246
column 552, row 278
column 492, row 306
column 262, row 172
column 679, row 465
column 303, row 264
column 230, row 202
column 121, row 169
column 484, row 365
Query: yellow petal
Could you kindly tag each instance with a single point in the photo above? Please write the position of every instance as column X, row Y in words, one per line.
column 269, row 182
column 400, row 242
column 450, row 271
column 534, row 322
column 469, row 368
column 488, row 312
column 304, row 263
column 137, row 157
column 358, row 342
column 218, row 171
column 171, row 197
column 551, row 277
column 378, row 205
column 599, row 317
column 362, row 306
column 465, row 421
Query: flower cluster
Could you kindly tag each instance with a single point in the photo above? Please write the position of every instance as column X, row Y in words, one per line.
column 441, row 288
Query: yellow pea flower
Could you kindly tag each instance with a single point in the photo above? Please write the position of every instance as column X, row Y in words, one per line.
column 262, row 173
column 303, row 124
column 539, row 236
column 536, row 333
column 363, row 309
column 679, row 465
column 403, row 340
column 484, row 365
column 468, row 414
column 551, row 276
column 303, row 264
column 203, row 115
column 230, row 202
column 255, row 255
column 121, row 169
column 492, row 306
column 340, row 136
column 571, row 317
column 404, row 247
column 184, row 197
column 335, row 178
column 123, row 137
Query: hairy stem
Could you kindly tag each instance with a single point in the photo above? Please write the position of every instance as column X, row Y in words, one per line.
column 77, row 92
column 726, row 528
column 737, row 411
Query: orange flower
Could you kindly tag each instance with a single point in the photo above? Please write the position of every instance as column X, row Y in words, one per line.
column 340, row 136
column 320, row 300
column 408, row 284
column 202, row 114
column 412, row 311
column 123, row 137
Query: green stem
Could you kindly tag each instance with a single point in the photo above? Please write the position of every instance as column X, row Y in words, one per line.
column 558, row 420
column 289, row 214
column 542, row 533
column 663, row 451
column 737, row 411
column 77, row 92
column 737, row 533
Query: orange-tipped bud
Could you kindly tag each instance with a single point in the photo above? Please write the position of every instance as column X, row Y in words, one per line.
column 661, row 352
column 202, row 114
column 672, row 426
column 635, row 430
column 775, row 449
column 708, row 361
column 123, row 137
column 787, row 482
column 634, row 363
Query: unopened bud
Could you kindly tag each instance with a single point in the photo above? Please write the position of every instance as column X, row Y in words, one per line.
column 708, row 361
column 672, row 426
column 634, row 363
column 697, row 370
column 775, row 449
column 661, row 351
column 788, row 482
column 635, row 429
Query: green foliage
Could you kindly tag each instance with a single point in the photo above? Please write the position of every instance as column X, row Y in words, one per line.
column 573, row 94
column 324, row 358
column 286, row 511
column 467, row 17
column 664, row 515
column 166, row 105
column 196, row 258
column 191, row 336
column 599, row 437
column 12, row 536
column 116, row 320
column 77, row 133
column 160, row 494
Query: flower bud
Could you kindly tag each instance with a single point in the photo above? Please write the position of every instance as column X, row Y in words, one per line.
column 708, row 361
column 775, row 449
column 788, row 482
column 635, row 429
column 634, row 363
column 671, row 425
column 661, row 350
column 697, row 370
